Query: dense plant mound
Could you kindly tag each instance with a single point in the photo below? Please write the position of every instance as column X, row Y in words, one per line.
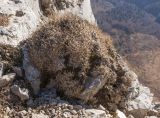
column 77, row 59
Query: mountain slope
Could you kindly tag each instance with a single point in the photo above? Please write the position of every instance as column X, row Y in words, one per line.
column 135, row 28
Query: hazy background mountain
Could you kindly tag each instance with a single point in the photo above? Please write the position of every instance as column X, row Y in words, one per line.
column 135, row 28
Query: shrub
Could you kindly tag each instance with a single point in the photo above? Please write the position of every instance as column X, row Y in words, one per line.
column 78, row 60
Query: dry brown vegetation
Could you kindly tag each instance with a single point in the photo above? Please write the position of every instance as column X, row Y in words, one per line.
column 11, row 56
column 65, row 47
column 70, row 52
column 4, row 19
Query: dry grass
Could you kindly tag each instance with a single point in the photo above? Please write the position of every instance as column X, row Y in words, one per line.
column 4, row 19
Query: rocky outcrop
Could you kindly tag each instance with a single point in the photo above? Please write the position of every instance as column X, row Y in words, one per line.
column 120, row 114
column 31, row 73
column 19, row 19
column 7, row 79
column 97, row 113
column 23, row 19
column 21, row 93
column 82, row 8
column 140, row 97
column 140, row 100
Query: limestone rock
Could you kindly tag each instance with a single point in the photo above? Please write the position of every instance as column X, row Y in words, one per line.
column 1, row 69
column 82, row 8
column 130, row 116
column 20, row 26
column 93, row 113
column 66, row 115
column 39, row 115
column 21, row 93
column 31, row 73
column 139, row 113
column 151, row 117
column 120, row 114
column 100, row 107
column 22, row 113
column 141, row 97
column 24, row 17
column 18, row 71
column 134, row 89
column 6, row 79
